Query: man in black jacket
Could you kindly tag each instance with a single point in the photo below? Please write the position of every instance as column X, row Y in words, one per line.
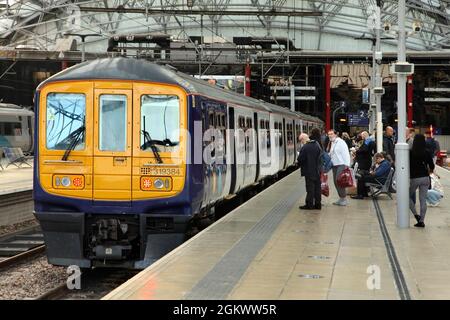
column 388, row 142
column 310, row 164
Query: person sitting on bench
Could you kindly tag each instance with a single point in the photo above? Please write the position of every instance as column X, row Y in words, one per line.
column 380, row 174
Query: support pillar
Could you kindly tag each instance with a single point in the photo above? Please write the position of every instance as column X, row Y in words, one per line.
column 327, row 96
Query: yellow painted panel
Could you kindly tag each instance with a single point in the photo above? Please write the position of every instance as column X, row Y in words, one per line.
column 113, row 85
column 112, row 195
column 104, row 182
column 105, row 166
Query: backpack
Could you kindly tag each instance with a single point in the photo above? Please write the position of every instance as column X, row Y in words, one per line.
column 327, row 164
column 325, row 160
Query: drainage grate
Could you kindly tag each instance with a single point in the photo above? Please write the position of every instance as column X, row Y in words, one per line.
column 320, row 257
column 323, row 242
column 311, row 276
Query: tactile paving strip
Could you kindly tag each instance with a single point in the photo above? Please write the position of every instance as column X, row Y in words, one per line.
column 223, row 277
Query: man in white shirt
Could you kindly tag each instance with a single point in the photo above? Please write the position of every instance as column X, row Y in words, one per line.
column 340, row 157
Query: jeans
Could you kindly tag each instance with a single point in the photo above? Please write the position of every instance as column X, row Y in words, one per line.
column 422, row 183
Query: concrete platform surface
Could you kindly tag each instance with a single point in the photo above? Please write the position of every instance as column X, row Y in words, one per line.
column 269, row 249
column 14, row 179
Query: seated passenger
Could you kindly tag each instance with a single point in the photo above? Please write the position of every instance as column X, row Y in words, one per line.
column 379, row 174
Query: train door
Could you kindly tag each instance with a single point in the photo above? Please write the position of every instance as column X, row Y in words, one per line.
column 250, row 168
column 231, row 154
column 112, row 145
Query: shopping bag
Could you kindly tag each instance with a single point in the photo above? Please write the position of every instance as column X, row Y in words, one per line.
column 324, row 188
column 344, row 179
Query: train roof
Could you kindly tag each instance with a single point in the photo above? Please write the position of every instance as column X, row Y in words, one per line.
column 9, row 109
column 121, row 68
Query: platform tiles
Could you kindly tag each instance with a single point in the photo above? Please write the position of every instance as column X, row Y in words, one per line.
column 14, row 179
column 269, row 249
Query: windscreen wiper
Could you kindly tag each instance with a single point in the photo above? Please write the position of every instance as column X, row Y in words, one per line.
column 74, row 137
column 148, row 141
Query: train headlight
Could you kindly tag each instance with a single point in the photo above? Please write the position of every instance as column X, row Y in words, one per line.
column 72, row 182
column 158, row 183
column 65, row 181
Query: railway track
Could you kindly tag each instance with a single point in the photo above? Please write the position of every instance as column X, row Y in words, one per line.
column 94, row 284
column 20, row 246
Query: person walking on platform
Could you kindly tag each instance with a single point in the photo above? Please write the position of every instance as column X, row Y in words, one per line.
column 340, row 157
column 310, row 166
column 421, row 166
column 388, row 142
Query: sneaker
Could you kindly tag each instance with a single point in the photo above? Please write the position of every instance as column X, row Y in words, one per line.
column 420, row 225
column 358, row 197
column 340, row 202
column 305, row 207
column 318, row 207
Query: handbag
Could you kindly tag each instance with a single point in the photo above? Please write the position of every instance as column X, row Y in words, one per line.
column 344, row 179
column 324, row 188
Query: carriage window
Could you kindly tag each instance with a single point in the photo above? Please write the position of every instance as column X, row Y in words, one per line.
column 281, row 133
column 249, row 123
column 160, row 122
column 113, row 122
column 10, row 128
column 241, row 122
column 65, row 125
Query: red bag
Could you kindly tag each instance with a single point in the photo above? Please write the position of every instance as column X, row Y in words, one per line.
column 345, row 179
column 324, row 188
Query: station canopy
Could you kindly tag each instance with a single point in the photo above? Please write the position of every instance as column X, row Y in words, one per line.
column 334, row 26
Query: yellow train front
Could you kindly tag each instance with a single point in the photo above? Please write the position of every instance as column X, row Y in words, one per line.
column 103, row 194
column 119, row 171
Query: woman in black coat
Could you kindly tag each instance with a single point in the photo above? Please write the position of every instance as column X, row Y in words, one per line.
column 420, row 166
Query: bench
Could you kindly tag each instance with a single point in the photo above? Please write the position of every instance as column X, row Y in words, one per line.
column 16, row 157
column 377, row 188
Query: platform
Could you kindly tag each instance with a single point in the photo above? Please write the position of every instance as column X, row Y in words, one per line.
column 14, row 179
column 269, row 249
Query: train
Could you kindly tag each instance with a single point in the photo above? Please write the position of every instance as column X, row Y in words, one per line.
column 129, row 154
column 16, row 127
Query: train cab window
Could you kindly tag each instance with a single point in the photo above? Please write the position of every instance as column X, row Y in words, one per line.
column 66, row 114
column 112, row 122
column 160, row 118
column 261, row 124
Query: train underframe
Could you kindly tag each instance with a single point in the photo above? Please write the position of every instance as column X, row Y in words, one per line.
column 112, row 240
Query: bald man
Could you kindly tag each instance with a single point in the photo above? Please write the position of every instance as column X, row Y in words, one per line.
column 388, row 142
column 310, row 166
